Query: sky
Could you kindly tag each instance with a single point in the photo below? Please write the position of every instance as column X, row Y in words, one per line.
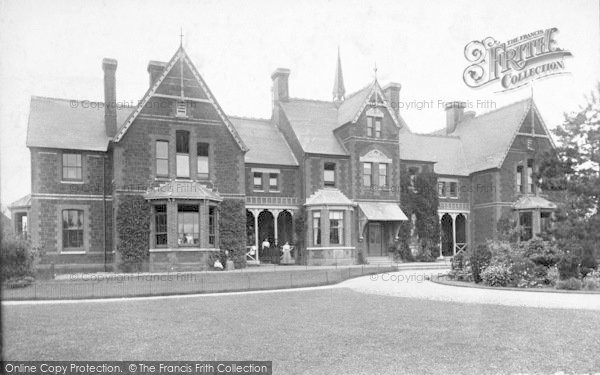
column 55, row 49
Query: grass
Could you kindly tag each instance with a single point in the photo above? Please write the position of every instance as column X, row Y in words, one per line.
column 331, row 331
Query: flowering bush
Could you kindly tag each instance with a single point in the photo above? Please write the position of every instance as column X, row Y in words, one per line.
column 479, row 259
column 496, row 275
column 552, row 276
column 544, row 253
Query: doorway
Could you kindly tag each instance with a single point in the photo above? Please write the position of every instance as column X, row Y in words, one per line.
column 375, row 239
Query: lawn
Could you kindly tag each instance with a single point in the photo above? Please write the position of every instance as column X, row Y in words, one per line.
column 329, row 331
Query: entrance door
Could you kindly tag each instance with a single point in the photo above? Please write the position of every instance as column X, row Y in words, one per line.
column 375, row 240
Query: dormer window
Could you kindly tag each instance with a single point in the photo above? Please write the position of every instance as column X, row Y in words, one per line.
column 374, row 118
column 181, row 109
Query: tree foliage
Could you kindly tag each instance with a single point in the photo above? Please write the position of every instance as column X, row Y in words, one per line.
column 571, row 176
column 232, row 230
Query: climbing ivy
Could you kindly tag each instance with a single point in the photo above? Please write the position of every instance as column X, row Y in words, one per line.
column 232, row 230
column 133, row 229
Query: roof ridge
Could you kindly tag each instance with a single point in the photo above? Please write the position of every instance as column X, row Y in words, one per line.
column 358, row 91
column 63, row 99
column 499, row 109
column 313, row 100
column 249, row 118
column 437, row 135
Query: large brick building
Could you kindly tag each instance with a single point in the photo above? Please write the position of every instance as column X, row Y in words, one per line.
column 337, row 163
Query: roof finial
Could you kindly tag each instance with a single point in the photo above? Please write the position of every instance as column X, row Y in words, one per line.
column 339, row 91
column 180, row 37
column 375, row 70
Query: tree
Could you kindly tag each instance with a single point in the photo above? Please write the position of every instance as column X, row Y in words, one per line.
column 572, row 175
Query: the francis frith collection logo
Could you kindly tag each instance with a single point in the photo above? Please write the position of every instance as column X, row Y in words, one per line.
column 516, row 62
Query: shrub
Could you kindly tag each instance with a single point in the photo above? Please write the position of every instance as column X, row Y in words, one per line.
column 232, row 231
column 590, row 284
column 544, row 253
column 402, row 251
column 496, row 275
column 479, row 258
column 569, row 284
column 552, row 276
column 568, row 266
column 19, row 259
column 427, row 252
column 522, row 272
column 133, row 228
column 588, row 260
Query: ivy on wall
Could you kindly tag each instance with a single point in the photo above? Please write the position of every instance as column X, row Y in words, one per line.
column 232, row 230
column 422, row 201
column 133, row 229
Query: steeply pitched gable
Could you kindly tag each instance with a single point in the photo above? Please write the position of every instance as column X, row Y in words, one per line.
column 172, row 84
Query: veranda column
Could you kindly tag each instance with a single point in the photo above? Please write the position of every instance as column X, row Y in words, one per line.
column 275, row 217
column 453, row 233
column 440, row 215
column 256, row 213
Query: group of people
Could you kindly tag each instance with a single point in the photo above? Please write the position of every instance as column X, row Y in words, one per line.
column 286, row 249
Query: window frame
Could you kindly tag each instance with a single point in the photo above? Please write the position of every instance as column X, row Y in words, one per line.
column 339, row 227
column 156, row 226
column 212, row 225
column 526, row 230
column 181, row 109
column 316, row 228
column 378, row 125
column 385, row 175
column 255, row 175
column 530, row 182
column 327, row 182
column 370, row 126
column 202, row 158
column 519, row 187
column 158, row 158
column 274, row 188
column 65, row 239
column 369, row 175
column 185, row 154
column 181, row 214
column 76, row 167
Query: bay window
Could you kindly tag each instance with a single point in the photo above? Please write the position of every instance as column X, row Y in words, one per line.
column 316, row 226
column 212, row 226
column 336, row 227
column 160, row 225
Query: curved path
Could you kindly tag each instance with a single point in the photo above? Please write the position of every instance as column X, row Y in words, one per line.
column 406, row 284
column 413, row 284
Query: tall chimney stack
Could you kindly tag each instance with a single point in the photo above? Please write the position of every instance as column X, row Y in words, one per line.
column 392, row 95
column 109, row 66
column 155, row 69
column 454, row 115
column 280, row 85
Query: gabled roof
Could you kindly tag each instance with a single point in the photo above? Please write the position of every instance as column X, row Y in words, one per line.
column 314, row 121
column 23, row 202
column 478, row 143
column 265, row 142
column 182, row 57
column 328, row 197
column 445, row 151
column 69, row 124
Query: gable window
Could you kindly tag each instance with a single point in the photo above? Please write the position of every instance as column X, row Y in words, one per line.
column 369, row 126
column 336, row 227
column 181, row 109
column 316, row 225
column 188, row 224
column 530, row 185
column 257, row 181
column 453, row 189
column 160, row 225
column 202, row 160
column 211, row 225
column 519, row 179
column 329, row 174
column 72, row 230
column 72, row 167
column 273, row 181
column 383, row 175
column 367, row 174
column 526, row 224
column 378, row 127
column 162, row 158
column 183, row 153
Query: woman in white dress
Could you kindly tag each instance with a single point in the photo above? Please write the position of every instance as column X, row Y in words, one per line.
column 286, row 257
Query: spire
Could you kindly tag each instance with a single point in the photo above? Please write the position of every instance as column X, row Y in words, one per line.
column 339, row 91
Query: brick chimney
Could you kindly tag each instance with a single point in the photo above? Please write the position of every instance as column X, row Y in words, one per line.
column 454, row 115
column 155, row 69
column 280, row 85
column 109, row 66
column 392, row 95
